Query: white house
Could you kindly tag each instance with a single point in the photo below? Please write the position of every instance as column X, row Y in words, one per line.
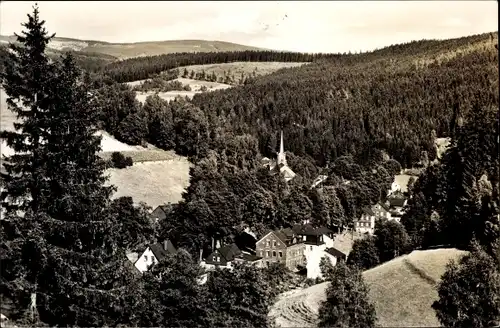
column 153, row 254
column 366, row 224
column 314, row 260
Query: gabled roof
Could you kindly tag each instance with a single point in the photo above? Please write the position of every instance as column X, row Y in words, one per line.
column 305, row 229
column 397, row 202
column 335, row 252
column 324, row 230
column 287, row 172
column 229, row 252
column 384, row 206
column 281, row 236
column 367, row 210
column 160, row 252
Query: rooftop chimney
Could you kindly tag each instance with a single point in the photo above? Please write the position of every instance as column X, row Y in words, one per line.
column 165, row 243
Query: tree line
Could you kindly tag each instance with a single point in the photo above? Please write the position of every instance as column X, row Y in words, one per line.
column 140, row 68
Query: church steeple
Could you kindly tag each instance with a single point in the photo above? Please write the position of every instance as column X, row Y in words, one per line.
column 281, row 155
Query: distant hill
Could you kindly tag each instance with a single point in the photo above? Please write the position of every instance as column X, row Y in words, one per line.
column 140, row 49
column 402, row 291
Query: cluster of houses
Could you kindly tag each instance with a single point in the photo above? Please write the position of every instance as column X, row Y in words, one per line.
column 391, row 209
column 299, row 248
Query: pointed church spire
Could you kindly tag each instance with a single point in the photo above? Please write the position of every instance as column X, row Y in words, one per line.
column 282, row 146
column 281, row 155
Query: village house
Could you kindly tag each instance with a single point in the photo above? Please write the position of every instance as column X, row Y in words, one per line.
column 313, row 263
column 299, row 247
column 153, row 254
column 381, row 211
column 280, row 165
column 224, row 257
column 160, row 213
column 366, row 223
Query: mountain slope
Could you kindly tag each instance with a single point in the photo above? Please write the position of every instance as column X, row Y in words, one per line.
column 150, row 48
column 402, row 291
column 391, row 99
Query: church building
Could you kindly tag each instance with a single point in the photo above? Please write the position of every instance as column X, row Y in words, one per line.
column 280, row 163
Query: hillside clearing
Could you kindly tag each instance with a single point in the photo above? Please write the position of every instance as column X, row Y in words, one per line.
column 154, row 183
column 238, row 68
column 171, row 95
column 393, row 287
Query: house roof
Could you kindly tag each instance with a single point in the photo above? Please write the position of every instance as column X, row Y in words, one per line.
column 229, row 252
column 287, row 172
column 396, row 202
column 384, row 206
column 368, row 211
column 160, row 252
column 324, row 230
column 305, row 229
column 281, row 235
column 335, row 252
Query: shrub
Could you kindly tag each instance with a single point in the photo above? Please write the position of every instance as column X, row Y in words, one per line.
column 120, row 161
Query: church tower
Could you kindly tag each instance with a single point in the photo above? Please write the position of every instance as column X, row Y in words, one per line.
column 281, row 155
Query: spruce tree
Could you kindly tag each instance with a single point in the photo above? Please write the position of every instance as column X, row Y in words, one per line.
column 63, row 235
column 27, row 74
column 83, row 280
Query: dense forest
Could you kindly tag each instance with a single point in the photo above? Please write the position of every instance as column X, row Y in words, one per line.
column 356, row 118
column 144, row 67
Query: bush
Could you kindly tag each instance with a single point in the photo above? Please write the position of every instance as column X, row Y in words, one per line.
column 120, row 161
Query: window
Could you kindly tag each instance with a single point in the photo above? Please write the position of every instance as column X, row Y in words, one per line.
column 268, row 254
column 274, row 253
column 294, row 240
column 303, row 237
column 280, row 254
column 261, row 253
column 146, row 258
column 274, row 243
column 310, row 248
column 217, row 259
column 268, row 243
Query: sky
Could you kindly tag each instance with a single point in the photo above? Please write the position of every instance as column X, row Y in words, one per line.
column 308, row 26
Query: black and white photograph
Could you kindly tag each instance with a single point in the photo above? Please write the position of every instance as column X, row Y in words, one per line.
column 268, row 164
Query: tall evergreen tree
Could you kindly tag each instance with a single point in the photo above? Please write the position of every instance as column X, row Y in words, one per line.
column 69, row 259
column 83, row 279
column 27, row 74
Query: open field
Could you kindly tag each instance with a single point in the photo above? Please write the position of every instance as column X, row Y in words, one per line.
column 155, row 182
column 238, row 68
column 171, row 95
column 156, row 177
column 152, row 48
column 402, row 291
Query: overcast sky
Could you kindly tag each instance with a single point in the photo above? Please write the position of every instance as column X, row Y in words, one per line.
column 323, row 26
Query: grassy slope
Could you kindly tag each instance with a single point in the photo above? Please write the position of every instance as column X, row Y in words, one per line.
column 402, row 291
column 152, row 182
column 128, row 50
column 162, row 179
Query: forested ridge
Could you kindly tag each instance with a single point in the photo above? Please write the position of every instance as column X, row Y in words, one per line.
column 144, row 67
column 351, row 104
